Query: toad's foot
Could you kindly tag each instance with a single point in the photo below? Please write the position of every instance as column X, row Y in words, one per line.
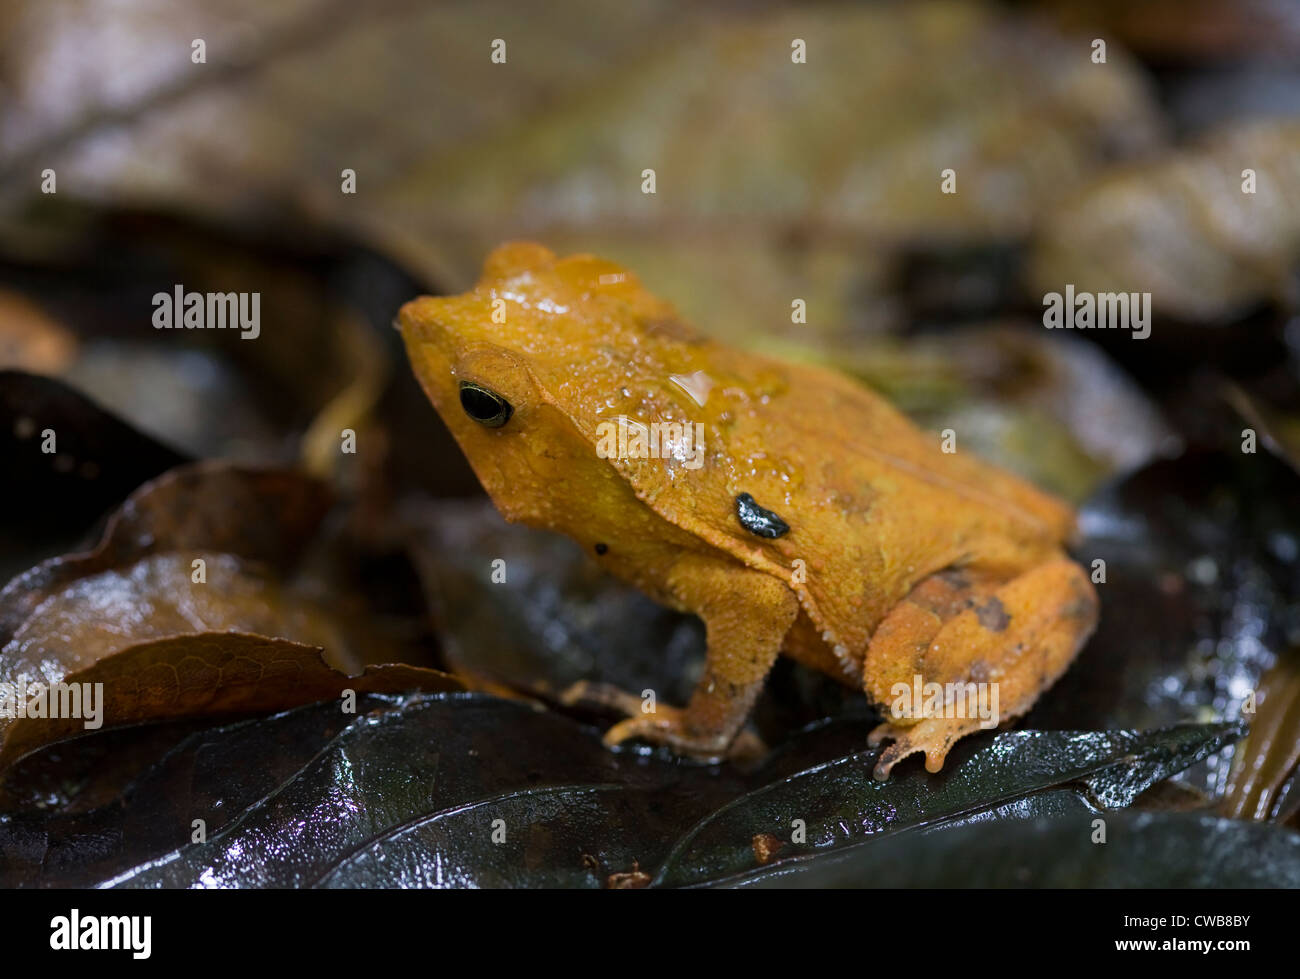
column 934, row 737
column 665, row 725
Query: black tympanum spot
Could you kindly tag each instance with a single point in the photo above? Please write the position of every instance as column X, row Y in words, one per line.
column 486, row 407
column 757, row 520
column 602, row 548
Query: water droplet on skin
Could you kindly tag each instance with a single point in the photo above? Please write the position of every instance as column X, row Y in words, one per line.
column 697, row 384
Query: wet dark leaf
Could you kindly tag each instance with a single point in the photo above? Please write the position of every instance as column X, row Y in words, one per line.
column 206, row 674
column 841, row 803
column 266, row 516
column 192, row 774
column 1142, row 850
column 410, row 792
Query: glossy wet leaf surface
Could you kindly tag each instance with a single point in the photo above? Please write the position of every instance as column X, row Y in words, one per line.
column 1040, row 848
column 470, row 790
column 839, row 803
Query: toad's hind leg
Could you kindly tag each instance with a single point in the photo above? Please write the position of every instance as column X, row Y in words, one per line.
column 990, row 659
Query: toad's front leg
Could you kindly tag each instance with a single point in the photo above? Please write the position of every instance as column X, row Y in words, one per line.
column 747, row 615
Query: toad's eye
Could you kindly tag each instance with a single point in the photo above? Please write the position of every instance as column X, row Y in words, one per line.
column 485, row 407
